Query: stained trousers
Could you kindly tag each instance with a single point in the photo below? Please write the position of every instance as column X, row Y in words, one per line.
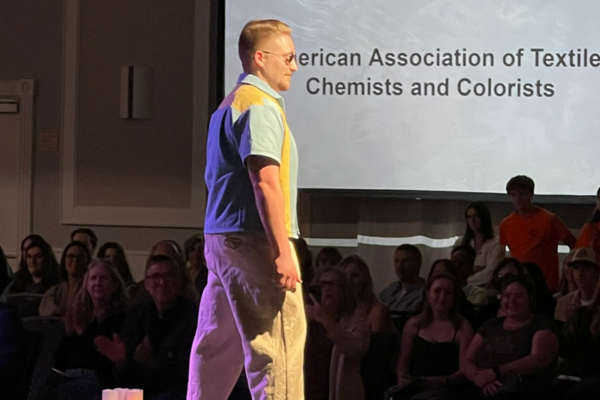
column 246, row 321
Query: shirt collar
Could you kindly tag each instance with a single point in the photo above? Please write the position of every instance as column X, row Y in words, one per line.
column 254, row 80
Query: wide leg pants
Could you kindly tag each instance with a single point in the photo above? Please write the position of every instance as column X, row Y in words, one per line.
column 246, row 321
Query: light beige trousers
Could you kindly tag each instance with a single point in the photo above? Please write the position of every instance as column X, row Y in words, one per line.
column 246, row 321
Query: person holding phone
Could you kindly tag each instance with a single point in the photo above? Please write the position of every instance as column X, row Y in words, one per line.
column 337, row 339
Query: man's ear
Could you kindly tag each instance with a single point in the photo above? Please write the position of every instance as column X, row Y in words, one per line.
column 259, row 58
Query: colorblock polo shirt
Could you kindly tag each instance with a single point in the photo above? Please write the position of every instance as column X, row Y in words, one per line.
column 250, row 121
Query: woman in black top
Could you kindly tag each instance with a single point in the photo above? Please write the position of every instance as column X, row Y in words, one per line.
column 39, row 272
column 433, row 343
column 511, row 357
column 98, row 310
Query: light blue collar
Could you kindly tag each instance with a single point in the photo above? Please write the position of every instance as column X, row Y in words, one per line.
column 262, row 85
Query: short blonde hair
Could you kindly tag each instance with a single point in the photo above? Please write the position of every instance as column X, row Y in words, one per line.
column 253, row 33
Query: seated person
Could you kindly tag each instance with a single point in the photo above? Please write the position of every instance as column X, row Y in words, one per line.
column 464, row 258
column 532, row 233
column 11, row 345
column 87, row 237
column 586, row 274
column 153, row 350
column 443, row 265
column 194, row 257
column 512, row 357
column 98, row 310
column 479, row 235
column 567, row 282
column 73, row 264
column 579, row 374
column 405, row 295
column 433, row 342
column 368, row 307
column 508, row 266
column 113, row 252
column 38, row 274
column 328, row 257
column 336, row 340
column 138, row 293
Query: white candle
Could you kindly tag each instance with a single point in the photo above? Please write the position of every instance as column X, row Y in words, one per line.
column 122, row 393
column 135, row 394
column 108, row 394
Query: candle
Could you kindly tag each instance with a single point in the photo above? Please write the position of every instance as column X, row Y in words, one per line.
column 122, row 393
column 108, row 394
column 135, row 394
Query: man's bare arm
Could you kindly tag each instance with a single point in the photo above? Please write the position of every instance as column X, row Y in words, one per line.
column 264, row 175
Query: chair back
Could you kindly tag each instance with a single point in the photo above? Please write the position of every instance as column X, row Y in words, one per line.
column 27, row 304
column 377, row 369
column 53, row 331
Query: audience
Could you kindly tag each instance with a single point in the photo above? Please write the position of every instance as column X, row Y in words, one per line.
column 508, row 266
column 512, row 357
column 29, row 239
column 328, row 257
column 152, row 352
column 38, row 274
column 405, row 295
column 80, row 370
column 73, row 264
column 532, row 233
column 579, row 373
column 87, row 237
column 567, row 282
column 138, row 293
column 368, row 307
column 586, row 274
column 463, row 257
column 590, row 232
column 113, row 252
column 433, row 344
column 479, row 235
column 194, row 256
column 336, row 341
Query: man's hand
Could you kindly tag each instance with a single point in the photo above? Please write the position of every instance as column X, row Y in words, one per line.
column 114, row 350
column 286, row 274
column 143, row 352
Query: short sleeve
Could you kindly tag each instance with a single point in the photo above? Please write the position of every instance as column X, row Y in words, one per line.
column 585, row 237
column 489, row 327
column 261, row 132
column 561, row 229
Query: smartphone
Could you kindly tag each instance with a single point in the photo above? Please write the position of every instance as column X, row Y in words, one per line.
column 315, row 290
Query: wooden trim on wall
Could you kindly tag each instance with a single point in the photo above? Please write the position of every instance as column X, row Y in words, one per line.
column 73, row 213
column 24, row 89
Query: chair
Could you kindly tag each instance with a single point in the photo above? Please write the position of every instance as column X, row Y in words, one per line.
column 27, row 304
column 32, row 347
column 52, row 329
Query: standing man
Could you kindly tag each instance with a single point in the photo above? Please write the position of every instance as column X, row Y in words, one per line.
column 532, row 233
column 252, row 313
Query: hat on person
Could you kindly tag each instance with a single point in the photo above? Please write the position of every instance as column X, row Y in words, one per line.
column 585, row 255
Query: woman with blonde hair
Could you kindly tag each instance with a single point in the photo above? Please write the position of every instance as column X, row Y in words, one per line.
column 368, row 307
column 98, row 310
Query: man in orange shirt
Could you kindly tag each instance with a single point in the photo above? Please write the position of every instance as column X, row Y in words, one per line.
column 532, row 233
